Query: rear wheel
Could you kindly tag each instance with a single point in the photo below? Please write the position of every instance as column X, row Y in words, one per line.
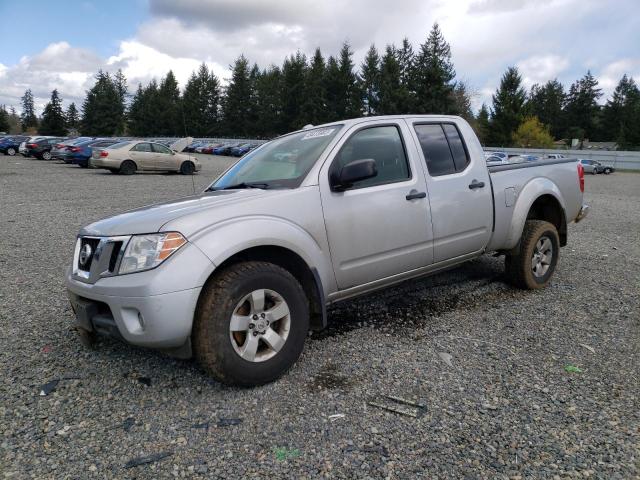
column 607, row 171
column 128, row 167
column 250, row 324
column 532, row 266
column 187, row 168
column 46, row 155
column 11, row 151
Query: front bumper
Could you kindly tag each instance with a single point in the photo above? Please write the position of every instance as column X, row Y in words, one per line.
column 159, row 321
column 584, row 211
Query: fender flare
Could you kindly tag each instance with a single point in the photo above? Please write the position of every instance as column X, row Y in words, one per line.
column 529, row 193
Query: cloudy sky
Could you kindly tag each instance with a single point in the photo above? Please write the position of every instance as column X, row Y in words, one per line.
column 61, row 45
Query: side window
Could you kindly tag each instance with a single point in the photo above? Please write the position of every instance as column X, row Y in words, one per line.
column 160, row 148
column 435, row 149
column 382, row 144
column 443, row 148
column 142, row 147
column 460, row 157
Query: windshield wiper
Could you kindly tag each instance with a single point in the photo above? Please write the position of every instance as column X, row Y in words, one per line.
column 263, row 186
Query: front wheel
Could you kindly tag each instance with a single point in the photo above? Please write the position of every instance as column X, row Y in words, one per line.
column 607, row 171
column 11, row 151
column 532, row 266
column 250, row 324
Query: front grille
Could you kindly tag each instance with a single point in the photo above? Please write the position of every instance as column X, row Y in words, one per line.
column 85, row 257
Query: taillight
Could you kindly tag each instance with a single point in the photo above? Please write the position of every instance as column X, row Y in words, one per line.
column 75, row 149
column 59, row 145
column 31, row 145
column 581, row 177
column 104, row 153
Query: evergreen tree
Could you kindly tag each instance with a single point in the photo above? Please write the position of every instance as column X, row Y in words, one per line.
column 268, row 107
column 101, row 109
column 4, row 119
column 546, row 102
column 14, row 121
column 581, row 109
column 334, row 91
column 433, row 74
column 508, row 108
column 621, row 115
column 28, row 117
column 170, row 119
column 201, row 103
column 350, row 104
column 136, row 118
column 315, row 96
column 72, row 117
column 53, row 121
column 236, row 106
column 294, row 74
column 462, row 102
column 482, row 125
column 391, row 93
column 406, row 89
column 120, row 83
column 370, row 74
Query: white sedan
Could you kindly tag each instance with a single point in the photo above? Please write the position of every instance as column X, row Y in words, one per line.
column 130, row 156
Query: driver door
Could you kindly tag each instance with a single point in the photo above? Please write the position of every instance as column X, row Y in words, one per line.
column 380, row 226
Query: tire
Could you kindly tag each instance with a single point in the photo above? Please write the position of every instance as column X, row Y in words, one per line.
column 11, row 151
column 520, row 269
column 128, row 167
column 607, row 171
column 46, row 156
column 219, row 350
column 187, row 168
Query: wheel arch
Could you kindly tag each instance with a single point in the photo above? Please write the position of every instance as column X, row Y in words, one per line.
column 286, row 258
column 540, row 199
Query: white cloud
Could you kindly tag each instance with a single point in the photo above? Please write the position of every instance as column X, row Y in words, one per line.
column 541, row 68
column 611, row 74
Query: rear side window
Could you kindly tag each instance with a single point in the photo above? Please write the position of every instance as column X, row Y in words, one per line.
column 443, row 149
column 142, row 147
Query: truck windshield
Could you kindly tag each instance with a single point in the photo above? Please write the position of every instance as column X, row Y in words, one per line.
column 281, row 163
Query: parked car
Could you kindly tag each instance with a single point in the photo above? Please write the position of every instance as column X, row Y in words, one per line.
column 239, row 273
column 22, row 149
column 502, row 155
column 241, row 150
column 208, row 148
column 555, row 156
column 131, row 156
column 9, row 145
column 224, row 149
column 59, row 150
column 80, row 153
column 192, row 146
column 41, row 148
column 594, row 167
column 494, row 159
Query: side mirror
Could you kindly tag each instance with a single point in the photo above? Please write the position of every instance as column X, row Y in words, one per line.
column 353, row 172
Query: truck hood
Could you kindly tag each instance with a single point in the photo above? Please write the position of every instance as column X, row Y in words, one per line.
column 151, row 218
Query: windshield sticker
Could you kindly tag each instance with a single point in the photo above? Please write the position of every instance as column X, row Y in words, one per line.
column 321, row 132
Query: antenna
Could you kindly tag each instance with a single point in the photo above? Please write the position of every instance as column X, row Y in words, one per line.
column 184, row 123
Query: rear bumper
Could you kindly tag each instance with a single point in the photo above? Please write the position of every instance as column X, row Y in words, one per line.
column 584, row 211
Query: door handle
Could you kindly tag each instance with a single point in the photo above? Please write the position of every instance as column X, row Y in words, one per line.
column 476, row 184
column 414, row 194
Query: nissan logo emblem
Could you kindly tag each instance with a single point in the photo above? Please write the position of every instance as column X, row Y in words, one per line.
column 85, row 254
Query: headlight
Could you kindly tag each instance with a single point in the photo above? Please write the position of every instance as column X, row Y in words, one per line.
column 144, row 252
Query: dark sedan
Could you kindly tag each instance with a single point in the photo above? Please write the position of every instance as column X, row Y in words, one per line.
column 42, row 148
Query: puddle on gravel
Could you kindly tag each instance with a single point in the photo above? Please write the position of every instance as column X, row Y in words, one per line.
column 329, row 378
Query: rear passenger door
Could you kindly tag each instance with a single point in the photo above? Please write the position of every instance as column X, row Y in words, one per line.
column 459, row 187
column 142, row 154
column 380, row 226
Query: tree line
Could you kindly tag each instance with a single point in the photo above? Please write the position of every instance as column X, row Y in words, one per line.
column 262, row 103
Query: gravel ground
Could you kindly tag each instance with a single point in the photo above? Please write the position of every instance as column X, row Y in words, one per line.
column 488, row 363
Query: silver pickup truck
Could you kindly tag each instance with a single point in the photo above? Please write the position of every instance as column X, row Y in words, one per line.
column 237, row 275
